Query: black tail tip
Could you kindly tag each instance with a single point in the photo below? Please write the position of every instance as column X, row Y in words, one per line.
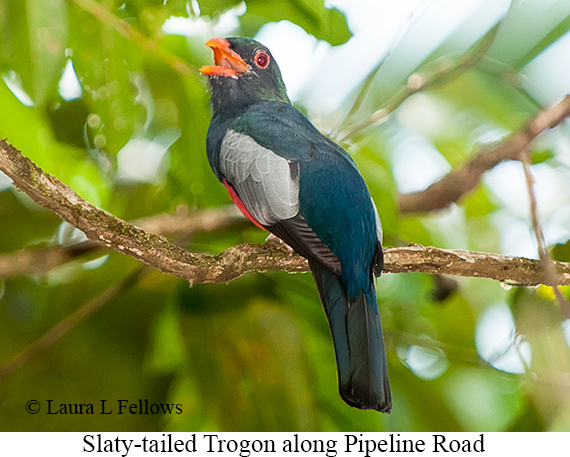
column 365, row 398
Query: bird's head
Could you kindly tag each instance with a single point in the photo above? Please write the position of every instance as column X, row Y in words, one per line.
column 244, row 73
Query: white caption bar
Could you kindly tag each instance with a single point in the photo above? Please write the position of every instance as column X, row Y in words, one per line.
column 280, row 444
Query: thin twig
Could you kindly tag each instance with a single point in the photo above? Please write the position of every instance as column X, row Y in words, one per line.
column 417, row 82
column 545, row 257
column 40, row 260
column 65, row 325
column 360, row 98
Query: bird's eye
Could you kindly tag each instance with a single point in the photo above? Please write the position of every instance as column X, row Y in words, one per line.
column 261, row 59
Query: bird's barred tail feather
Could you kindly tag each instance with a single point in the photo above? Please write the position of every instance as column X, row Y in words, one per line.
column 358, row 341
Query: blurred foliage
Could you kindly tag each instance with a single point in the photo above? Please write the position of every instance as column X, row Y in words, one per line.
column 254, row 354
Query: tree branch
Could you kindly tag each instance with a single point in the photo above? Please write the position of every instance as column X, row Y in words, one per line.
column 514, row 270
column 156, row 251
column 458, row 182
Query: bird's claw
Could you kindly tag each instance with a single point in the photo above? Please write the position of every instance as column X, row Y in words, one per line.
column 271, row 238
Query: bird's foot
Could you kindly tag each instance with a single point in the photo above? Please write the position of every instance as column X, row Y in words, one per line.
column 278, row 241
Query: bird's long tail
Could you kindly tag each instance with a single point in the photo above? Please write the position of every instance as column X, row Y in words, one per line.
column 358, row 341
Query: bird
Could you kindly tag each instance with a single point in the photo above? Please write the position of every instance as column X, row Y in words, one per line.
column 291, row 180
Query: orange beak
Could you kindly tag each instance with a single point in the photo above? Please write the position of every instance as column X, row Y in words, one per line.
column 228, row 62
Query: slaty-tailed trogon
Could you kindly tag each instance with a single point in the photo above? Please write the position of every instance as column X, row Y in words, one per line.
column 291, row 180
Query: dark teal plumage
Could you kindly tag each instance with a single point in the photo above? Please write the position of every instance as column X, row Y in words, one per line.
column 334, row 225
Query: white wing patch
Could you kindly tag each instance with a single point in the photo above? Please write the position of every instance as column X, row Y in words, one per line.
column 261, row 178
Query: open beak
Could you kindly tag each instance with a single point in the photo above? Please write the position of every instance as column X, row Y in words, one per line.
column 228, row 62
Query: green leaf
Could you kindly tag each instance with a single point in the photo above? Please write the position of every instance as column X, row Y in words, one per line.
column 478, row 204
column 542, row 155
column 553, row 35
column 378, row 176
column 323, row 23
column 166, row 350
column 31, row 133
column 492, row 98
column 110, row 72
column 561, row 252
column 33, row 38
column 214, row 8
column 237, row 336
